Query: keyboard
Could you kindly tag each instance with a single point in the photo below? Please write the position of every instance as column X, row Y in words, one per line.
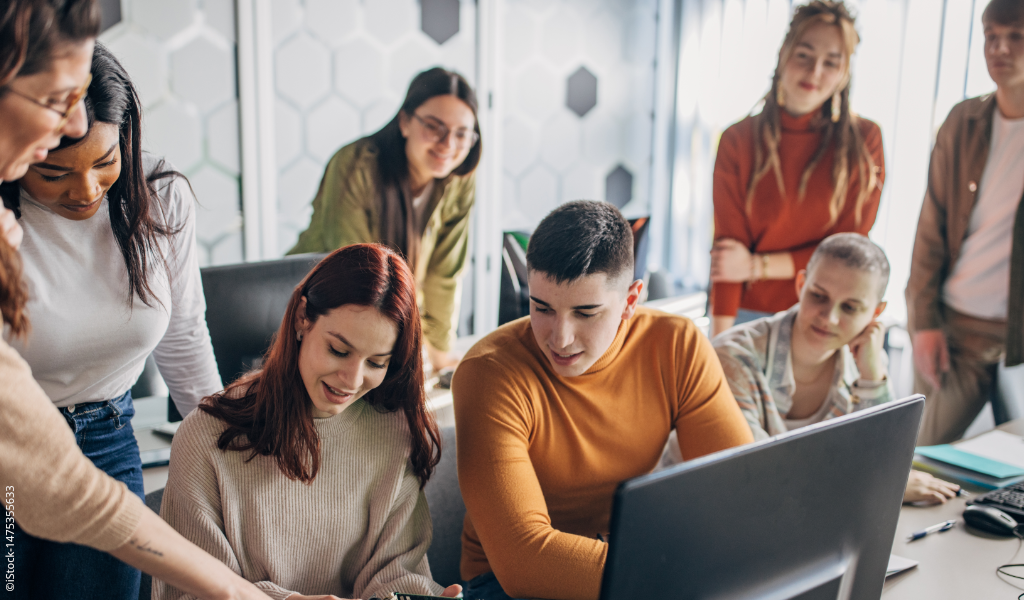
column 1009, row 499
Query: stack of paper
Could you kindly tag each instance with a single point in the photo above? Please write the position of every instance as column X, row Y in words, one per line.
column 990, row 461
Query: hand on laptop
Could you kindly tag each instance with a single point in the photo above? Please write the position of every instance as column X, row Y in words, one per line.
column 922, row 487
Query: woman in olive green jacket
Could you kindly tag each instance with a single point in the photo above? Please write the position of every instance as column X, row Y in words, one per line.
column 411, row 186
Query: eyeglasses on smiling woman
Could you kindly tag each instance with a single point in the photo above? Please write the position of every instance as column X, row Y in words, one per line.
column 64, row 106
column 437, row 132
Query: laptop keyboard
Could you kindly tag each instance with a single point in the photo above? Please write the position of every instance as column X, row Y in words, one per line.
column 1010, row 497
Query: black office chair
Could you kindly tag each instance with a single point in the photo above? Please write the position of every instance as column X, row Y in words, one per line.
column 153, row 500
column 447, row 513
column 244, row 306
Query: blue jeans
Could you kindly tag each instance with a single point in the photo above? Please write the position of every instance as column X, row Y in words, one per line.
column 45, row 569
column 484, row 587
column 746, row 316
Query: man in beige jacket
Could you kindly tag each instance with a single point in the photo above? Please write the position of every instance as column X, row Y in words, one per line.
column 965, row 296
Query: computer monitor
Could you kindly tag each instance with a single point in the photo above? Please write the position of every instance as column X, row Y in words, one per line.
column 808, row 515
column 244, row 306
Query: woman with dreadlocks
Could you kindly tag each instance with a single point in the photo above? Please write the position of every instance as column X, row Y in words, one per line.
column 802, row 169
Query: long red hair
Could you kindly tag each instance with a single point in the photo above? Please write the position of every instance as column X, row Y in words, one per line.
column 268, row 411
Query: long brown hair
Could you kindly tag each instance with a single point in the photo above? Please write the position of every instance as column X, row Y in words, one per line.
column 843, row 134
column 30, row 33
column 13, row 291
column 268, row 412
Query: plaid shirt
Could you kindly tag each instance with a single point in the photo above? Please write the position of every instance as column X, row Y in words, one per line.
column 757, row 363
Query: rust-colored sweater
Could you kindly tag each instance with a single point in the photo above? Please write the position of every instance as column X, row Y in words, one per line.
column 540, row 455
column 782, row 223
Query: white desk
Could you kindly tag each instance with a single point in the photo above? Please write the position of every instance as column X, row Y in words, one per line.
column 958, row 564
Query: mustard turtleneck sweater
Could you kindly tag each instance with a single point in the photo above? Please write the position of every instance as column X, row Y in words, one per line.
column 540, row 455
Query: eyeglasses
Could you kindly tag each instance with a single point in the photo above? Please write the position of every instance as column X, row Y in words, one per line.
column 64, row 107
column 437, row 132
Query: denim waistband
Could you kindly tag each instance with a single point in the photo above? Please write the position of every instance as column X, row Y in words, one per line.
column 118, row 409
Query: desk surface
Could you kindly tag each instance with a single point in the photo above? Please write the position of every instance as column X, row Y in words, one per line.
column 958, row 564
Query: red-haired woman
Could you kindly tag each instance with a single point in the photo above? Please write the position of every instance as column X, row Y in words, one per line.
column 306, row 476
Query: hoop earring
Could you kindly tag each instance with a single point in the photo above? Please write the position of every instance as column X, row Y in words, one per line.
column 780, row 97
column 298, row 335
column 837, row 101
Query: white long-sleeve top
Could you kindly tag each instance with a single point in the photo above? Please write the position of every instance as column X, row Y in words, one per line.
column 87, row 342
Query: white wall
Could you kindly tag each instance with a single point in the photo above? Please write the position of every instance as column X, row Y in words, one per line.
column 180, row 55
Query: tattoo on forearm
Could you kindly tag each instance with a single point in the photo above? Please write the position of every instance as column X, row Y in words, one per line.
column 144, row 547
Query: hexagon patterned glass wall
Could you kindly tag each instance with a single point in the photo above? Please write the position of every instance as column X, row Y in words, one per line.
column 110, row 11
column 439, row 19
column 581, row 91
column 618, row 187
column 562, row 140
column 342, row 68
column 180, row 55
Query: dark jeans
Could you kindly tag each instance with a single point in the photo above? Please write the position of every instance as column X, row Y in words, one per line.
column 49, row 570
column 484, row 587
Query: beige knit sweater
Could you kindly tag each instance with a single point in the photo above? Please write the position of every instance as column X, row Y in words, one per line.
column 362, row 527
column 55, row 492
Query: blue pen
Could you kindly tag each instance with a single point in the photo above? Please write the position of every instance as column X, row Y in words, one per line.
column 944, row 526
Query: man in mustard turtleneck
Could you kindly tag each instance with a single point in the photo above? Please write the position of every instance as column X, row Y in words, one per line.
column 556, row 409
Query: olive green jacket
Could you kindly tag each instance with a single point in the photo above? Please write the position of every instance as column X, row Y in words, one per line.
column 346, row 211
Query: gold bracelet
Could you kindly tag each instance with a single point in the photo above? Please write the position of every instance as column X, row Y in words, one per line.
column 764, row 266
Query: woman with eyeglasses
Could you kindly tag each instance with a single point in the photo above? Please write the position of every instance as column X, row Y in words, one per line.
column 110, row 259
column 411, row 186
column 802, row 169
column 47, row 485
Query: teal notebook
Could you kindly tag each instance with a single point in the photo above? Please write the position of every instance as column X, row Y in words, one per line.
column 951, row 455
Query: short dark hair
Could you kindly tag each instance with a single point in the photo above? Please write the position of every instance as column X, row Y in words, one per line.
column 580, row 238
column 1004, row 12
column 856, row 252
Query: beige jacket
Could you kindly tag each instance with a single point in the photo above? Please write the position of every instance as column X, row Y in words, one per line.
column 346, row 211
column 958, row 160
column 54, row 491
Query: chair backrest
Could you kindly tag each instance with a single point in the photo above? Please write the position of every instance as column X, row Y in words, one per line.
column 447, row 512
column 244, row 306
column 153, row 500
